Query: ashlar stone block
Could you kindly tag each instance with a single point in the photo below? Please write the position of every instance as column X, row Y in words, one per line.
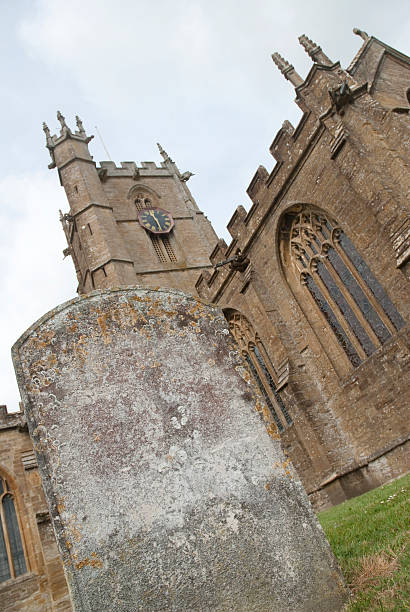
column 166, row 490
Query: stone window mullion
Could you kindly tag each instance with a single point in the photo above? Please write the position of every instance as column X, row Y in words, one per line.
column 248, row 341
column 267, row 376
column 318, row 257
column 365, row 289
column 353, row 305
column 259, row 380
column 339, row 316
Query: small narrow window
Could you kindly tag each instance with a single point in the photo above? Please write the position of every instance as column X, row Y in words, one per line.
column 157, row 244
column 89, row 229
column 168, row 248
column 163, row 248
column 12, row 560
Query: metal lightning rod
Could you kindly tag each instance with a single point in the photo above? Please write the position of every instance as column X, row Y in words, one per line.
column 103, row 143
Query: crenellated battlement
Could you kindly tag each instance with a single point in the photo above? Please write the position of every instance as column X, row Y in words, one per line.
column 325, row 97
column 9, row 420
column 130, row 169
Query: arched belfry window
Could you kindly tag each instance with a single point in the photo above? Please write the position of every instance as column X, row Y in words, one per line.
column 162, row 244
column 333, row 275
column 12, row 560
column 143, row 201
column 260, row 367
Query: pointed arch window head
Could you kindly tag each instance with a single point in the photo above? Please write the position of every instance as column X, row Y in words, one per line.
column 12, row 559
column 260, row 367
column 325, row 262
column 142, row 201
column 162, row 244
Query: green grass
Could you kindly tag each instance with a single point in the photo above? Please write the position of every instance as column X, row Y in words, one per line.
column 368, row 535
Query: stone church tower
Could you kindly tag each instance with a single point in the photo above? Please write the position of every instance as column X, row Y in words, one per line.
column 108, row 244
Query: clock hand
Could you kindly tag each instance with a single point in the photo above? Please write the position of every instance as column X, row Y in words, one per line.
column 158, row 223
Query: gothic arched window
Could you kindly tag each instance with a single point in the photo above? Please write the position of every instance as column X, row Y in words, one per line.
column 260, row 367
column 162, row 244
column 12, row 560
column 142, row 201
column 340, row 283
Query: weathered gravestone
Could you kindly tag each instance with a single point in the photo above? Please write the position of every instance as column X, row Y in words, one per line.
column 166, row 492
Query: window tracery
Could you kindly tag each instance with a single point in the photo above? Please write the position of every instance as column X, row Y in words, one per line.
column 326, row 263
column 12, row 559
column 260, row 367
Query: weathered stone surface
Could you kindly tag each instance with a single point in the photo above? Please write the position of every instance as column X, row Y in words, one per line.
column 166, row 491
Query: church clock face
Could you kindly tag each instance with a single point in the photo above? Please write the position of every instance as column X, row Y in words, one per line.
column 156, row 220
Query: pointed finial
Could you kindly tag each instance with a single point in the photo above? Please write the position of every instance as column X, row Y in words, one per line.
column 314, row 51
column 46, row 131
column 61, row 119
column 287, row 70
column 361, row 33
column 80, row 125
column 164, row 154
column 281, row 63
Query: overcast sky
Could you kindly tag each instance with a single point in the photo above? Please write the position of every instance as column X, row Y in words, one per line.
column 196, row 76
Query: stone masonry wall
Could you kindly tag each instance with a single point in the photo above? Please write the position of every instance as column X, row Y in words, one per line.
column 351, row 163
column 43, row 587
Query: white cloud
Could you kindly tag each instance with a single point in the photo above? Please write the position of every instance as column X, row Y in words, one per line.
column 34, row 276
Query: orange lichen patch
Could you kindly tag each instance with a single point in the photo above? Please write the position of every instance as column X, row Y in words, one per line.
column 266, row 413
column 72, row 528
column 273, row 431
column 43, row 339
column 286, row 465
column 244, row 373
column 79, row 349
column 258, row 406
column 68, row 544
column 146, row 298
column 72, row 328
column 51, row 360
column 197, row 306
column 93, row 562
column 102, row 322
column 75, row 531
column 267, row 486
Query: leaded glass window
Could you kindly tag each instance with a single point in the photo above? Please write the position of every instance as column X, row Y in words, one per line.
column 340, row 283
column 12, row 559
column 260, row 367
